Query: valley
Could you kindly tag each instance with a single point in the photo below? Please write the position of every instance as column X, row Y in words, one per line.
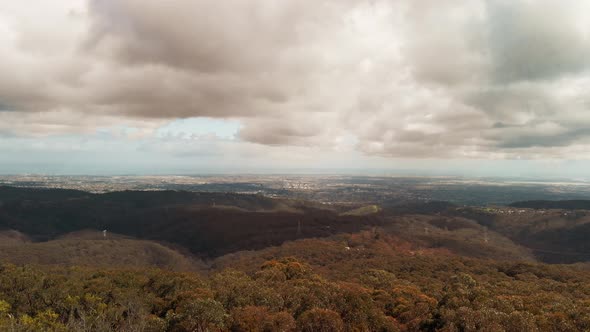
column 249, row 262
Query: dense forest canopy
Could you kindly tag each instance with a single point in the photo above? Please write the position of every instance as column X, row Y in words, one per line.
column 229, row 262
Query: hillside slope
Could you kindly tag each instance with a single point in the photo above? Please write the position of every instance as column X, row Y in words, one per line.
column 208, row 224
column 554, row 236
column 91, row 249
column 563, row 205
column 12, row 237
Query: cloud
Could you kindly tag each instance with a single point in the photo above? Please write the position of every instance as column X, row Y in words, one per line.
column 203, row 36
column 404, row 79
column 537, row 40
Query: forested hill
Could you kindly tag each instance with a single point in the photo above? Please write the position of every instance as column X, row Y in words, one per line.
column 207, row 224
column 130, row 199
column 284, row 265
column 304, row 286
column 565, row 205
column 210, row 225
column 13, row 194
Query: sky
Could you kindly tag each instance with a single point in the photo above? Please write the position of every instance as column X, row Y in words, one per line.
column 482, row 88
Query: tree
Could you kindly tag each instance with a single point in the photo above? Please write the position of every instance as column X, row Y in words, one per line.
column 320, row 320
column 250, row 319
column 280, row 322
column 199, row 315
column 43, row 321
column 261, row 319
column 6, row 319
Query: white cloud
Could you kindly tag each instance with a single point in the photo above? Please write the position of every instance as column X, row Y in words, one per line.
column 483, row 79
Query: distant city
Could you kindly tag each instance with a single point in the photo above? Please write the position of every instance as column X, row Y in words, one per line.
column 327, row 189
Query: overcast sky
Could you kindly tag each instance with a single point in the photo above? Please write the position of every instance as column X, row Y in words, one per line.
column 188, row 86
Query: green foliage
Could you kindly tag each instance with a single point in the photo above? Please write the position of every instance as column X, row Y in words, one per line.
column 4, row 307
column 200, row 315
column 360, row 281
column 43, row 321
column 364, row 281
column 90, row 249
column 287, row 294
column 363, row 211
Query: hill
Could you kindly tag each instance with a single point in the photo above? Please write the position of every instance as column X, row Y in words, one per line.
column 9, row 194
column 362, row 211
column 561, row 205
column 207, row 224
column 210, row 225
column 89, row 248
column 11, row 237
column 285, row 265
column 553, row 236
column 351, row 282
